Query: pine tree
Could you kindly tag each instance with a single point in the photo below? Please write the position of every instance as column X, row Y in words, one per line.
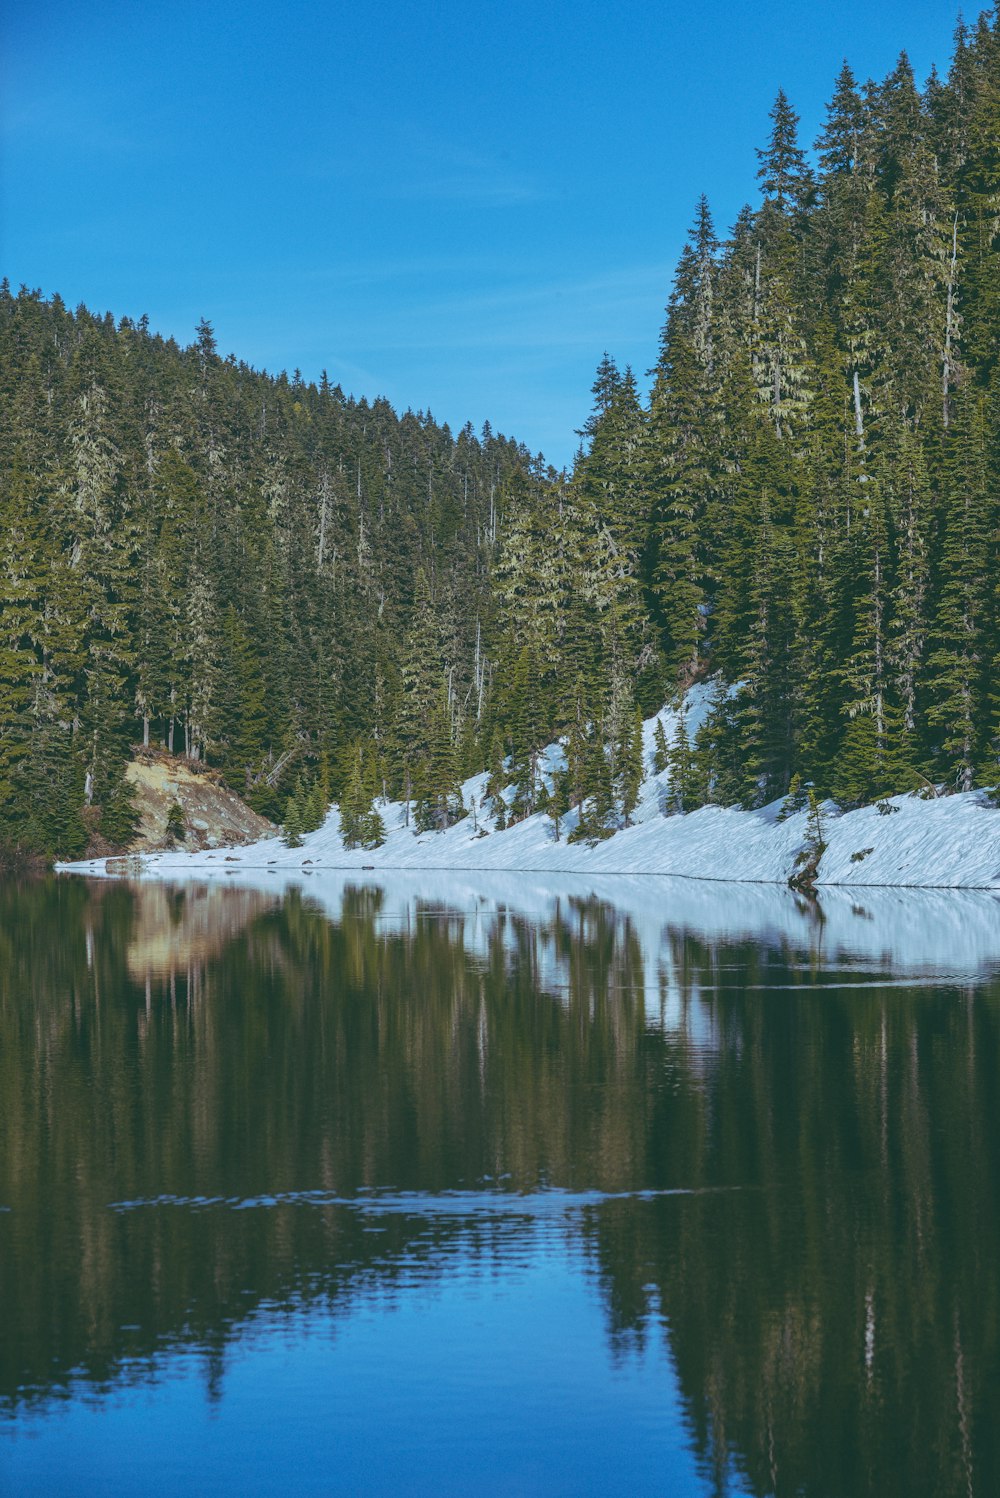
column 681, row 790
column 683, row 459
column 661, row 750
column 784, row 177
column 293, row 824
column 961, row 653
column 21, row 585
column 796, row 799
column 718, row 771
column 904, row 479
column 609, row 498
column 496, row 776
column 439, row 801
column 630, row 768
column 420, row 691
column 872, row 758
column 840, row 144
column 597, row 808
column 361, row 826
column 808, row 859
column 526, row 733
column 558, row 804
column 176, row 831
column 978, row 191
column 242, row 709
column 577, row 754
column 49, row 789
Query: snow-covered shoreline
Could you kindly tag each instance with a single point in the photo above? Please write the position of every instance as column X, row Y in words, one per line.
column 952, row 842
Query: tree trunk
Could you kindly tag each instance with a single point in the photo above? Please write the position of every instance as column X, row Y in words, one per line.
column 949, row 321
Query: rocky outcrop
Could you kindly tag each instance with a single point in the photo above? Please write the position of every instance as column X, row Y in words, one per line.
column 213, row 816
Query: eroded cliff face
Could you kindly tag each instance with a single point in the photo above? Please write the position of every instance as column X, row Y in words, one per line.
column 213, row 815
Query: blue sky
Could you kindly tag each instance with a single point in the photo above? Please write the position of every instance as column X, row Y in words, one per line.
column 459, row 207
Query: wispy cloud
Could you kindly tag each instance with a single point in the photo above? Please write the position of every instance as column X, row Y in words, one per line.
column 486, row 188
column 397, row 160
column 569, row 312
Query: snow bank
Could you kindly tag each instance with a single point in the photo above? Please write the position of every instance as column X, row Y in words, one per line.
column 952, row 842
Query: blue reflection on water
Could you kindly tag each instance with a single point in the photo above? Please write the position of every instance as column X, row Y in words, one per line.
column 493, row 1377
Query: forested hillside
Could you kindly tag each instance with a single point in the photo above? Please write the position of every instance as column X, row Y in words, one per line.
column 325, row 599
column 242, row 569
column 818, row 468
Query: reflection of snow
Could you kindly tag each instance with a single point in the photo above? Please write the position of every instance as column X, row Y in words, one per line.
column 895, row 936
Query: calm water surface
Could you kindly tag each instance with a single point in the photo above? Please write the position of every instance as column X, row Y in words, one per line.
column 419, row 1187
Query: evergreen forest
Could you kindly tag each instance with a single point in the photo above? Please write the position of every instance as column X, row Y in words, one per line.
column 323, row 599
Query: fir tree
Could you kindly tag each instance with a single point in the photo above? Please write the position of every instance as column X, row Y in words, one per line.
column 293, row 827
column 176, row 831
column 796, row 799
column 439, row 802
column 784, row 176
column 361, row 826
column 630, row 768
column 808, row 859
column 681, row 791
column 558, row 803
column 961, row 653
column 661, row 749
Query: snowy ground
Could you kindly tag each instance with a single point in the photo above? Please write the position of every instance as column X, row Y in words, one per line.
column 952, row 842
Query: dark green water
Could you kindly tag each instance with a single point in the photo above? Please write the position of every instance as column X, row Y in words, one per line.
column 498, row 1189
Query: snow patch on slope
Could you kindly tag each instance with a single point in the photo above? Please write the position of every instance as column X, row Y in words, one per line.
column 952, row 842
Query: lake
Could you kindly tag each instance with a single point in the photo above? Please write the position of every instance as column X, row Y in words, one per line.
column 453, row 1185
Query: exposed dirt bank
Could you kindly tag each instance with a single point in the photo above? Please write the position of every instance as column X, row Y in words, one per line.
column 212, row 814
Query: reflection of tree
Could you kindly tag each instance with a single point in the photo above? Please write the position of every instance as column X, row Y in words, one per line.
column 310, row 1056
column 828, row 1294
column 834, row 1319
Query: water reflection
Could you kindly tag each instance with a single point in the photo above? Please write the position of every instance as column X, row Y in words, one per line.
column 765, row 1130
